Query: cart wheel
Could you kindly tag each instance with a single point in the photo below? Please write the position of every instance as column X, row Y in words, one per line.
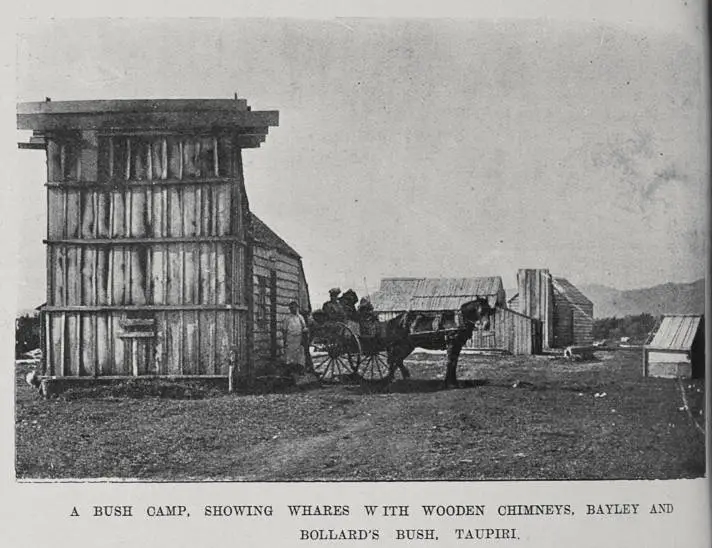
column 374, row 361
column 336, row 352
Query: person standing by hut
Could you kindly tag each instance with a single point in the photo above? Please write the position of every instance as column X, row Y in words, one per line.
column 294, row 329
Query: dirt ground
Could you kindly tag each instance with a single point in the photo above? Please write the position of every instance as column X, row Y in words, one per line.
column 512, row 418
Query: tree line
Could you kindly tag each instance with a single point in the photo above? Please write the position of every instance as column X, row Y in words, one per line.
column 638, row 328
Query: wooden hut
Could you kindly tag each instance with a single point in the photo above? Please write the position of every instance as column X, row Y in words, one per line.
column 677, row 348
column 508, row 330
column 566, row 314
column 278, row 277
column 149, row 258
column 398, row 295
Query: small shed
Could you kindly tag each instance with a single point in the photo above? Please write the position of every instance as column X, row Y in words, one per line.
column 278, row 279
column 677, row 348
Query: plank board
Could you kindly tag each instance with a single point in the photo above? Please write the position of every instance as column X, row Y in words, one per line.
column 207, row 342
column 223, row 341
column 190, row 219
column 87, row 282
column 138, row 275
column 150, row 120
column 175, row 275
column 73, row 276
column 118, row 214
column 175, row 212
column 54, row 161
column 138, row 213
column 56, row 340
column 221, row 275
column 88, row 344
column 191, row 275
column 222, row 209
column 103, row 345
column 118, row 275
column 173, row 344
column 73, row 213
column 56, row 226
column 191, row 344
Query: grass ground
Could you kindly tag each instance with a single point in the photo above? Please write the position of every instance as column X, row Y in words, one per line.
column 528, row 417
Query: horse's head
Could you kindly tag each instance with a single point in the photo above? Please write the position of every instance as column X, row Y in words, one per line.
column 476, row 311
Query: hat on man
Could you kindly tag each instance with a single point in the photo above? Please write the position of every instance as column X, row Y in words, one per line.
column 334, row 291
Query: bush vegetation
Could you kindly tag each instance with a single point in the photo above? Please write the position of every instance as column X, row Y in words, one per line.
column 27, row 333
column 638, row 328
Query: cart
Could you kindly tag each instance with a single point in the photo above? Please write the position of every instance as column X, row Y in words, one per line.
column 350, row 349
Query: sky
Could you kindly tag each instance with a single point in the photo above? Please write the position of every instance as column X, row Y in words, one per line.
column 426, row 146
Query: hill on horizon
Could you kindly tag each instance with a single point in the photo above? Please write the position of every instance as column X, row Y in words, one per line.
column 667, row 298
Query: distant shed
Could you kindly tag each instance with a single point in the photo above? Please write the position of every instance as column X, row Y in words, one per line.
column 278, row 277
column 677, row 348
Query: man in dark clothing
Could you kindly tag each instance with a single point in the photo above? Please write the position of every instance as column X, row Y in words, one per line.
column 333, row 309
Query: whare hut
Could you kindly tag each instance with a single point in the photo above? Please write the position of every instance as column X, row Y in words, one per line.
column 155, row 265
column 508, row 330
column 398, row 295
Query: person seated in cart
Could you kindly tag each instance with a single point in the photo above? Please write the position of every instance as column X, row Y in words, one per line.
column 367, row 318
column 348, row 302
column 333, row 309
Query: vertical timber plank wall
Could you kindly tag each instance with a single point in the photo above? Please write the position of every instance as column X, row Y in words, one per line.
column 145, row 228
column 509, row 331
column 536, row 300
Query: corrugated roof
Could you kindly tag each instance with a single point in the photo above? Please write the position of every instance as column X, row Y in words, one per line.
column 676, row 332
column 399, row 286
column 570, row 292
column 399, row 294
column 265, row 235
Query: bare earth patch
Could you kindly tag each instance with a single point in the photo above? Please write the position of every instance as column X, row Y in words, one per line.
column 513, row 418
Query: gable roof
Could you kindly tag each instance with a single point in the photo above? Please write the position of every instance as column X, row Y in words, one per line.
column 676, row 332
column 570, row 292
column 400, row 294
column 267, row 237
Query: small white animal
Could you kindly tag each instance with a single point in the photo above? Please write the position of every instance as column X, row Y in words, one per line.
column 33, row 379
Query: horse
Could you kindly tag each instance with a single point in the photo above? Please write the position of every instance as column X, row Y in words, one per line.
column 406, row 331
